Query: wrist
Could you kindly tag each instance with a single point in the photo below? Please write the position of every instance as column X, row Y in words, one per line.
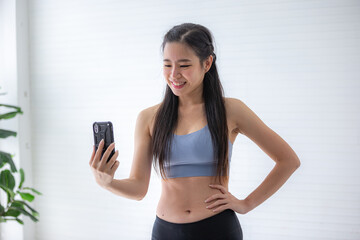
column 108, row 186
column 248, row 205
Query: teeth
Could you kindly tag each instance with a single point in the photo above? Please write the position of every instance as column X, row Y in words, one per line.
column 178, row 84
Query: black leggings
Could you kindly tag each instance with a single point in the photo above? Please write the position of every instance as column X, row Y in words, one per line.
column 222, row 226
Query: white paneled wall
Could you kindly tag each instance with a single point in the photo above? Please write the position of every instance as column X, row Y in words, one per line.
column 294, row 63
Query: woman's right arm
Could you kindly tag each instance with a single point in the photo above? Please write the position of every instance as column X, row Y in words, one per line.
column 136, row 186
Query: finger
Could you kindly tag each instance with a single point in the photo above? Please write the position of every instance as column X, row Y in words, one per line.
column 111, row 162
column 114, row 167
column 220, row 187
column 98, row 153
column 222, row 207
column 215, row 196
column 92, row 156
column 217, row 203
column 105, row 157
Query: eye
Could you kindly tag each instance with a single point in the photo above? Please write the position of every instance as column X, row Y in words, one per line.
column 180, row 66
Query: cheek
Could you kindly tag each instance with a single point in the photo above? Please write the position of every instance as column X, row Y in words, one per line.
column 166, row 71
column 193, row 75
column 188, row 73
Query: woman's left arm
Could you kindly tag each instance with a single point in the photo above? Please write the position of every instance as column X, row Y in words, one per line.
column 276, row 178
column 249, row 124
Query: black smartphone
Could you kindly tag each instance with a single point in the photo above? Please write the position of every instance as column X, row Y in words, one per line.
column 103, row 130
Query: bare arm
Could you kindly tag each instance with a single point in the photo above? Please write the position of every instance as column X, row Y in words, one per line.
column 128, row 188
column 276, row 178
column 134, row 187
column 274, row 146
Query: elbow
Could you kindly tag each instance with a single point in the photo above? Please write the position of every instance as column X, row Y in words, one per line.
column 296, row 163
column 293, row 164
column 141, row 196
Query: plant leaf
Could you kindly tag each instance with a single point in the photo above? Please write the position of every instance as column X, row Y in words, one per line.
column 12, row 212
column 34, row 190
column 33, row 211
column 19, row 221
column 16, row 203
column 6, row 133
column 11, row 106
column 2, row 209
column 7, row 179
column 26, row 196
column 9, row 192
column 6, row 158
column 22, row 177
column 8, row 115
column 23, row 211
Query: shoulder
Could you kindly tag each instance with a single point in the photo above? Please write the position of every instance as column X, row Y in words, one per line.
column 236, row 111
column 149, row 111
column 229, row 101
column 147, row 117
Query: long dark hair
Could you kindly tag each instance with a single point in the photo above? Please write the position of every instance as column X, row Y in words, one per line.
column 200, row 40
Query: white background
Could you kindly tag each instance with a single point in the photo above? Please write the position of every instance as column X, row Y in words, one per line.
column 296, row 64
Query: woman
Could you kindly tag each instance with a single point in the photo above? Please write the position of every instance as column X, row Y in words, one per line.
column 190, row 135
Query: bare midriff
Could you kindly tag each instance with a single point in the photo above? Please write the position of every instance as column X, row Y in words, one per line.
column 182, row 199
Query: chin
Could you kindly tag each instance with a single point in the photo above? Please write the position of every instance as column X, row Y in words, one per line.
column 175, row 93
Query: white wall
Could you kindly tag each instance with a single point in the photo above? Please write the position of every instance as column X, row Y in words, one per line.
column 8, row 72
column 14, row 80
column 295, row 64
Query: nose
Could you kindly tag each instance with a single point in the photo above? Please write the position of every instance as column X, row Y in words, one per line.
column 175, row 73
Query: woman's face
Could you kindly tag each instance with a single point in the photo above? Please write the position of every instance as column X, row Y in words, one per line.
column 182, row 66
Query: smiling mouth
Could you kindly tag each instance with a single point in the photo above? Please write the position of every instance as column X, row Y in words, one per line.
column 178, row 84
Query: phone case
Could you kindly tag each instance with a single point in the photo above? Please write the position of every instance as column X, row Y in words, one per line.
column 103, row 130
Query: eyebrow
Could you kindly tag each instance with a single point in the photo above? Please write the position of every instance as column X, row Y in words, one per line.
column 180, row 60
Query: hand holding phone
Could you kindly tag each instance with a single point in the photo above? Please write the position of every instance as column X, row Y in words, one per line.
column 103, row 130
column 104, row 148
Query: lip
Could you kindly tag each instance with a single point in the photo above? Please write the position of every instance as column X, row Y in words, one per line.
column 176, row 82
column 178, row 87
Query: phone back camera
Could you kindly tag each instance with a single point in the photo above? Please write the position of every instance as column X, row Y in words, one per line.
column 96, row 128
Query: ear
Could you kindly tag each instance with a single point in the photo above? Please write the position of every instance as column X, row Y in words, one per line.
column 208, row 63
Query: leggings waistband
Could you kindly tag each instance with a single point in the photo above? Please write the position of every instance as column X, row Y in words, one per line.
column 224, row 225
column 224, row 214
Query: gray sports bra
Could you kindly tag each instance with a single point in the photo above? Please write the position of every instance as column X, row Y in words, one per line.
column 192, row 155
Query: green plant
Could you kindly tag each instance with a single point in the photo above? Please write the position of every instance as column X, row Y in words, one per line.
column 14, row 207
